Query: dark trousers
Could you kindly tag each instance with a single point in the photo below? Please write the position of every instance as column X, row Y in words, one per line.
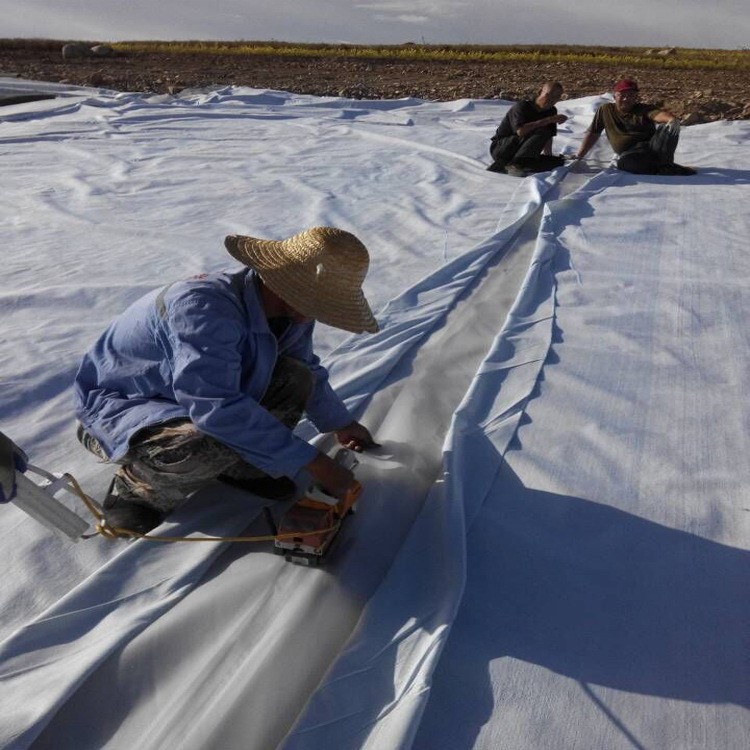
column 167, row 462
column 646, row 157
column 521, row 151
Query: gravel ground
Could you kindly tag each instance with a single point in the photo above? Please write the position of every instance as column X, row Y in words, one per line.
column 694, row 95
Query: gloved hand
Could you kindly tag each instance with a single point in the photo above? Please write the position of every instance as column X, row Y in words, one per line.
column 12, row 459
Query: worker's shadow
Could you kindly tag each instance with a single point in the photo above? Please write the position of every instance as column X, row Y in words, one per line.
column 705, row 176
column 592, row 593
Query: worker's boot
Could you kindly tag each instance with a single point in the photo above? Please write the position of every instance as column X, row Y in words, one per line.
column 675, row 170
column 125, row 511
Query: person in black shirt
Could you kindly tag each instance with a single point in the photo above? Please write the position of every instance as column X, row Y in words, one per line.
column 522, row 144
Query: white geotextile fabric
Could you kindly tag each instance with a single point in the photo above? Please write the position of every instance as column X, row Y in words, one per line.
column 103, row 617
column 134, row 653
column 142, row 191
column 607, row 550
column 108, row 196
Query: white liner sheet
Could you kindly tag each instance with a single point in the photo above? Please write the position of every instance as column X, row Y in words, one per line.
column 580, row 516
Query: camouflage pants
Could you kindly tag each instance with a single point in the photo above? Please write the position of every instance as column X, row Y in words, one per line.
column 167, row 462
column 646, row 157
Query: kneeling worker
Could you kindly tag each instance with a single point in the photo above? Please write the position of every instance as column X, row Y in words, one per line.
column 522, row 143
column 208, row 377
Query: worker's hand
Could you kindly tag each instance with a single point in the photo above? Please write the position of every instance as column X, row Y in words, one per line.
column 559, row 119
column 356, row 437
column 334, row 478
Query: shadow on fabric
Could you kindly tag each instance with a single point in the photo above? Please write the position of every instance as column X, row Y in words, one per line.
column 705, row 176
column 596, row 595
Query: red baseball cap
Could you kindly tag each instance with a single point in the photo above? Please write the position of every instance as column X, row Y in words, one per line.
column 625, row 84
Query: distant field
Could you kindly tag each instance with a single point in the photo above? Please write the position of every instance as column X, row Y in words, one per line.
column 698, row 85
column 681, row 58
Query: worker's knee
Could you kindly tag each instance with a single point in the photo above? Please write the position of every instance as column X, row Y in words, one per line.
column 169, row 464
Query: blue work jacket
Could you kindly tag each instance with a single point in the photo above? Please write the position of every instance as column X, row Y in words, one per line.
column 201, row 349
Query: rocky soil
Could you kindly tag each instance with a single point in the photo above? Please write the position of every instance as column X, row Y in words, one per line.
column 694, row 95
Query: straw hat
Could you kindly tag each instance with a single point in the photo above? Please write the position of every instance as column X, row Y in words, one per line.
column 319, row 272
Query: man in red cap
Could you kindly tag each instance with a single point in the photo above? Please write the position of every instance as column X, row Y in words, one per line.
column 643, row 137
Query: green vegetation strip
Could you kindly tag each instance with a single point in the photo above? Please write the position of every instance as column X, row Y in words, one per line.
column 691, row 59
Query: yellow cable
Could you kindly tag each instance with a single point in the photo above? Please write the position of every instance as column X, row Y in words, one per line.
column 115, row 533
column 88, row 502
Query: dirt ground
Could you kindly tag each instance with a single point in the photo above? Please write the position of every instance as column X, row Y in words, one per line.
column 694, row 95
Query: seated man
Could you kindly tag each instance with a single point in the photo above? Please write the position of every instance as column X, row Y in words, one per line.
column 631, row 127
column 522, row 143
column 207, row 378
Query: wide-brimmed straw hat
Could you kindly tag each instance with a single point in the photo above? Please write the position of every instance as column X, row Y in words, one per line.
column 318, row 272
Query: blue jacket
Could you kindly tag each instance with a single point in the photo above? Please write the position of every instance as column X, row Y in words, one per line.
column 201, row 349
